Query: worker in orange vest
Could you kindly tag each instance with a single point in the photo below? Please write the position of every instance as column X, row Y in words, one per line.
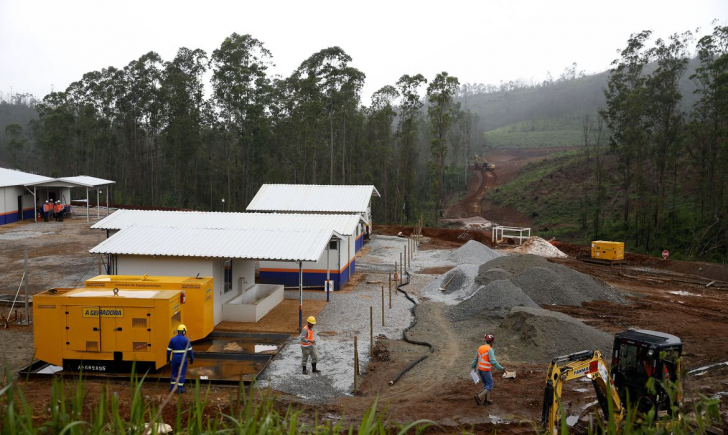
column 485, row 361
column 59, row 211
column 46, row 210
column 308, row 346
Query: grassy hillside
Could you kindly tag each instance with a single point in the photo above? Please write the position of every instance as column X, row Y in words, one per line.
column 559, row 194
column 549, row 114
column 536, row 133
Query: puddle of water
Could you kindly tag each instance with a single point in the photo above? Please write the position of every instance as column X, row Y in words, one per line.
column 218, row 369
column 683, row 293
column 234, row 345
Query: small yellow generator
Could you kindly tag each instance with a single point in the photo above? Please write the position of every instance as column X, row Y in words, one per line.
column 198, row 308
column 602, row 250
column 105, row 330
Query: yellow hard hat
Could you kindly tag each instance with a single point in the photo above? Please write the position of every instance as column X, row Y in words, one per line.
column 182, row 328
column 311, row 320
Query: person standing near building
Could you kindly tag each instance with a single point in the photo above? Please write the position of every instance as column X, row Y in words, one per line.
column 58, row 210
column 308, row 346
column 485, row 361
column 46, row 210
column 181, row 350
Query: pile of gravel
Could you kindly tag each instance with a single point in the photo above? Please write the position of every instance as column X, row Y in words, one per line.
column 459, row 284
column 536, row 336
column 546, row 283
column 494, row 300
column 473, row 252
column 540, row 247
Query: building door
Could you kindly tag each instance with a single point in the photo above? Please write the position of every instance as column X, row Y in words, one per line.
column 20, row 207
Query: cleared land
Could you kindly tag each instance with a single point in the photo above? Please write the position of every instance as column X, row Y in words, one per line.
column 532, row 304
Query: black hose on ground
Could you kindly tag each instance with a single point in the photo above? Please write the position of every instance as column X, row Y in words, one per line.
column 406, row 338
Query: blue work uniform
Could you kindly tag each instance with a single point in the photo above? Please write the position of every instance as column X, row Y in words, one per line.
column 178, row 345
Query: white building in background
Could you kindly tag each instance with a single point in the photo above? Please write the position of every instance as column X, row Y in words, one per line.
column 318, row 199
column 22, row 194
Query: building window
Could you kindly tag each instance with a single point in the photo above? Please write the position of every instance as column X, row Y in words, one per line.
column 227, row 269
column 333, row 245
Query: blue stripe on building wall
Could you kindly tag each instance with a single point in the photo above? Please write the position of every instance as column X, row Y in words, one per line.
column 310, row 279
column 359, row 243
column 11, row 217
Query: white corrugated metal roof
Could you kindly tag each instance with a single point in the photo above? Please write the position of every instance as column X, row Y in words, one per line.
column 258, row 244
column 87, row 181
column 10, row 177
column 121, row 219
column 313, row 198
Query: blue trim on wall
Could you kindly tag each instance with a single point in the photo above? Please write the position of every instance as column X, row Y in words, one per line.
column 310, row 279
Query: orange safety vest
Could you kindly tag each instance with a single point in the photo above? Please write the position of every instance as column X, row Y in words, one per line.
column 309, row 336
column 59, row 208
column 484, row 358
column 45, row 207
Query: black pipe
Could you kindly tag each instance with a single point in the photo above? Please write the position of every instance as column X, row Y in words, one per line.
column 407, row 339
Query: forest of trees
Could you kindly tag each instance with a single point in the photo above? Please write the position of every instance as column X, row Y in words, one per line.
column 153, row 128
column 150, row 127
column 672, row 173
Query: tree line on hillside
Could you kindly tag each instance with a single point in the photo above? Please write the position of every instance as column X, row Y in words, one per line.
column 150, row 127
column 672, row 162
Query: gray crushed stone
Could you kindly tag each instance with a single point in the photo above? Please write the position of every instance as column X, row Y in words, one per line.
column 545, row 282
column 473, row 252
column 494, row 300
column 458, row 282
column 536, row 336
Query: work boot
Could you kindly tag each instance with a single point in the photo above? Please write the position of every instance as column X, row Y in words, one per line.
column 314, row 368
column 482, row 396
column 477, row 400
column 487, row 400
column 305, row 372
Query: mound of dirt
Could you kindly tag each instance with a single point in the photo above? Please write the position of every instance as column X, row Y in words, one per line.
column 458, row 282
column 540, row 247
column 536, row 336
column 494, row 300
column 545, row 282
column 473, row 253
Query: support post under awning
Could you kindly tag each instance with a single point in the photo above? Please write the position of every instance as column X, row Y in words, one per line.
column 328, row 271
column 87, row 218
column 300, row 296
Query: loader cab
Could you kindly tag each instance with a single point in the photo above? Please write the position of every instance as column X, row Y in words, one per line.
column 639, row 355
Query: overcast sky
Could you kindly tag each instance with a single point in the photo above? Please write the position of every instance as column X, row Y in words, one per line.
column 46, row 43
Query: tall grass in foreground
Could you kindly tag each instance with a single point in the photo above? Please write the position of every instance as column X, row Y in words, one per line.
column 702, row 417
column 253, row 411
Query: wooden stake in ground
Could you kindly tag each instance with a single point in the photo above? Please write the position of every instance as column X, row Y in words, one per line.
column 371, row 332
column 390, row 286
column 356, row 362
column 390, row 295
column 382, row 305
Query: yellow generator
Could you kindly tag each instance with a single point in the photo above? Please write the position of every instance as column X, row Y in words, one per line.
column 198, row 309
column 602, row 250
column 105, row 330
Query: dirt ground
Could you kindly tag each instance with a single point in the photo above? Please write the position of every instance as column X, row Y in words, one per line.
column 689, row 300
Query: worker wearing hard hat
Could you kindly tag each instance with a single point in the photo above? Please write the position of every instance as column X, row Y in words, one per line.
column 46, row 210
column 181, row 350
column 485, row 361
column 308, row 346
column 58, row 211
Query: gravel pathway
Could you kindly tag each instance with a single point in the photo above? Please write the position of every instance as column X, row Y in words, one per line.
column 346, row 316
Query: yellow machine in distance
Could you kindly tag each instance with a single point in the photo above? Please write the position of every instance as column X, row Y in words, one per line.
column 602, row 250
column 105, row 329
column 198, row 309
